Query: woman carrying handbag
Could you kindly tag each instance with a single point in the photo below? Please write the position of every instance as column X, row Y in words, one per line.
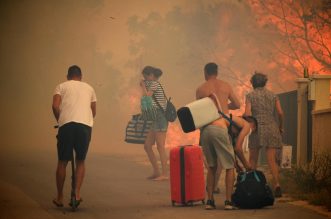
column 157, row 134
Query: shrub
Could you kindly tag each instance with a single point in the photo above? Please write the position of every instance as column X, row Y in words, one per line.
column 311, row 182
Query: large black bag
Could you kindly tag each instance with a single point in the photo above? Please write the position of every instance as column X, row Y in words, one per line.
column 252, row 191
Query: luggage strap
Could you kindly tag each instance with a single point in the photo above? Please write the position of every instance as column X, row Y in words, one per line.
column 243, row 178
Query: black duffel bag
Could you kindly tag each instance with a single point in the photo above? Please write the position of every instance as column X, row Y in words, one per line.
column 252, row 191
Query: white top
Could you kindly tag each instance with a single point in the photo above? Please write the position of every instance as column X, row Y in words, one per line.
column 76, row 98
column 203, row 111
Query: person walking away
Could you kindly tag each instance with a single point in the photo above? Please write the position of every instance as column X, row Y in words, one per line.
column 261, row 103
column 224, row 93
column 74, row 107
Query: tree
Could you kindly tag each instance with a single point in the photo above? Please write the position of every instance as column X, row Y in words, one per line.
column 306, row 28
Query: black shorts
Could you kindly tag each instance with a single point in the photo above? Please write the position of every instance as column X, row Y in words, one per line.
column 71, row 136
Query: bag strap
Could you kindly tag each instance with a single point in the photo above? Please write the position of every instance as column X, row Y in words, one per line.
column 232, row 123
column 163, row 91
column 157, row 102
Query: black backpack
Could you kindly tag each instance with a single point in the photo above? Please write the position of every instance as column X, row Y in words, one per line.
column 252, row 191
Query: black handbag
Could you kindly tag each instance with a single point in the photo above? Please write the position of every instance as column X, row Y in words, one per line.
column 137, row 130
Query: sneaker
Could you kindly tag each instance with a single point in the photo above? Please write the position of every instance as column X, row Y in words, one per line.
column 278, row 192
column 229, row 205
column 210, row 205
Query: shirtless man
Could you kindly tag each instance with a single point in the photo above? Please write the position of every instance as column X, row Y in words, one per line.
column 224, row 93
column 222, row 89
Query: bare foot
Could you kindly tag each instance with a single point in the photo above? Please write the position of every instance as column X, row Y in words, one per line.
column 154, row 176
column 161, row 178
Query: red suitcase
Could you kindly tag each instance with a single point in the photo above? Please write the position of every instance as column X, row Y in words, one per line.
column 187, row 181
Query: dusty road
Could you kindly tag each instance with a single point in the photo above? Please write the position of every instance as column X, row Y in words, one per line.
column 114, row 187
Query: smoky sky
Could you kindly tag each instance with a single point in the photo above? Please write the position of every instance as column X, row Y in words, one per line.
column 182, row 42
column 112, row 41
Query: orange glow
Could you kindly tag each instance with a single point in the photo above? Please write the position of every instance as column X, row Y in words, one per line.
column 306, row 32
column 176, row 136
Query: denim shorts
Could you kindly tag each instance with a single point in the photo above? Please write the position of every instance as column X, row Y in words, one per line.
column 160, row 124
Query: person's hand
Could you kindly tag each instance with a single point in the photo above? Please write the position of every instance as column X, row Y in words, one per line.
column 248, row 168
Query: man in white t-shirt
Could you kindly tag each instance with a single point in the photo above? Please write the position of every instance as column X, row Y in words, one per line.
column 74, row 107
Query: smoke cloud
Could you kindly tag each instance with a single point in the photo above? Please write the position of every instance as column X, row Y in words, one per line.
column 112, row 41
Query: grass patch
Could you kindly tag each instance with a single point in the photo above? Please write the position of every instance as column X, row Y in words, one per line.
column 311, row 182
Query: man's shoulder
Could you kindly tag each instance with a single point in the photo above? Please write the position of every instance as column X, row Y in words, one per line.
column 202, row 86
column 223, row 83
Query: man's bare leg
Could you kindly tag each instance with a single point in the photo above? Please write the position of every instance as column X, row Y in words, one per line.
column 229, row 182
column 60, row 178
column 80, row 173
column 211, row 182
column 217, row 176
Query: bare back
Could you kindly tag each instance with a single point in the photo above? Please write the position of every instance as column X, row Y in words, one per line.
column 223, row 92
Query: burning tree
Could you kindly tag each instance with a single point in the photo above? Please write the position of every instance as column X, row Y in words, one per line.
column 306, row 29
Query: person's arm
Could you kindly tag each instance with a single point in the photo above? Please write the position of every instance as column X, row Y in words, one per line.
column 280, row 113
column 94, row 108
column 147, row 92
column 56, row 106
column 234, row 101
column 248, row 108
column 240, row 140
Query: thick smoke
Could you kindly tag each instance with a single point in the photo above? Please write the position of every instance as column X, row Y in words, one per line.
column 112, row 41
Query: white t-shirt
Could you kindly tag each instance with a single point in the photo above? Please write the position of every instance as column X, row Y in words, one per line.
column 76, row 98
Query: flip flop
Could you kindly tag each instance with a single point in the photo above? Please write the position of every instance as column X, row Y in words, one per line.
column 57, row 204
column 77, row 202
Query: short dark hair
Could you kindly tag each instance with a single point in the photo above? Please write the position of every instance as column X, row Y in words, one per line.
column 251, row 119
column 147, row 70
column 211, row 68
column 74, row 71
column 259, row 80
